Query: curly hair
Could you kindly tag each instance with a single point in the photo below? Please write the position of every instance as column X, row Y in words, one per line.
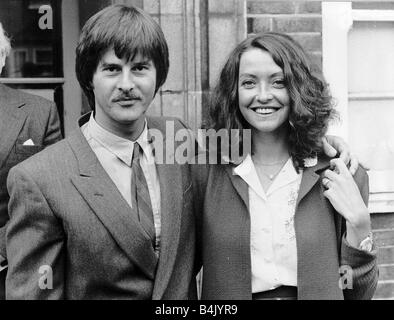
column 311, row 104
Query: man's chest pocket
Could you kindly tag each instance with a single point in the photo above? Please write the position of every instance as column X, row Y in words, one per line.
column 19, row 153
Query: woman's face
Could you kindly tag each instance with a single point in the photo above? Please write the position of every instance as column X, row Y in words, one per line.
column 263, row 97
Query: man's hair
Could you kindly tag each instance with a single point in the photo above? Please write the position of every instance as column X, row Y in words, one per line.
column 311, row 105
column 127, row 30
column 5, row 44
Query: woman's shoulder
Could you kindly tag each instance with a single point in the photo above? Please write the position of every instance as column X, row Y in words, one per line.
column 361, row 176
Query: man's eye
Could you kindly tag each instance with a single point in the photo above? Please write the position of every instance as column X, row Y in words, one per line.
column 140, row 67
column 111, row 69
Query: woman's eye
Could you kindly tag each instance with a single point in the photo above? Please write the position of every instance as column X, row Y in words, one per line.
column 248, row 83
column 280, row 83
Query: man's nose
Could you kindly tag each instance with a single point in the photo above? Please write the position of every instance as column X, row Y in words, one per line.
column 126, row 81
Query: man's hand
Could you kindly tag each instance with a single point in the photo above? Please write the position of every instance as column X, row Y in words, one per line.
column 333, row 145
column 344, row 195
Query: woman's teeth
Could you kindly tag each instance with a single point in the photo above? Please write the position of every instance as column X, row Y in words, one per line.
column 265, row 110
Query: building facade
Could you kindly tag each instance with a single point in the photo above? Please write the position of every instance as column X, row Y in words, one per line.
column 352, row 41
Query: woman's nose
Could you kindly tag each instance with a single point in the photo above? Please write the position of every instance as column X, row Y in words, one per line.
column 264, row 94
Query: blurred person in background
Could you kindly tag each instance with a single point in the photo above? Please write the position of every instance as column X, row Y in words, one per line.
column 28, row 124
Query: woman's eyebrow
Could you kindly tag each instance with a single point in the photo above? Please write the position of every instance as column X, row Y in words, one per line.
column 245, row 74
column 279, row 73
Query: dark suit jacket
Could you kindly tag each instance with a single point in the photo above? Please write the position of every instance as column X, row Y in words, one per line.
column 321, row 249
column 68, row 214
column 22, row 117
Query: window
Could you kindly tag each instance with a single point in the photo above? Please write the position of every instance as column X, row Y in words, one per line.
column 36, row 51
column 358, row 61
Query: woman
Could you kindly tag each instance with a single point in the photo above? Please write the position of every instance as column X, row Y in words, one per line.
column 286, row 221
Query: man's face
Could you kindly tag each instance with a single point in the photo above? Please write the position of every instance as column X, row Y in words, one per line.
column 123, row 91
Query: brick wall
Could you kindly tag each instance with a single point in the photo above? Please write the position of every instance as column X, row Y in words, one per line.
column 300, row 19
column 200, row 34
column 383, row 230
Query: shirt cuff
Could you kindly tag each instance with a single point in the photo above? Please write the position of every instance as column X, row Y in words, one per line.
column 353, row 256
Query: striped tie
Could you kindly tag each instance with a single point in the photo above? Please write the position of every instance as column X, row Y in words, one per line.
column 140, row 198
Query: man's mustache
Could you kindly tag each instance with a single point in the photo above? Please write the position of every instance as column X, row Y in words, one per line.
column 126, row 97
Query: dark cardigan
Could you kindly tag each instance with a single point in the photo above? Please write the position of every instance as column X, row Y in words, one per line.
column 321, row 246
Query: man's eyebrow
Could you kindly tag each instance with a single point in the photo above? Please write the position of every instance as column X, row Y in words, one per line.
column 108, row 64
column 143, row 61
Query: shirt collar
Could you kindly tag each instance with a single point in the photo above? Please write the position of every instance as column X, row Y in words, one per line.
column 247, row 171
column 288, row 174
column 120, row 147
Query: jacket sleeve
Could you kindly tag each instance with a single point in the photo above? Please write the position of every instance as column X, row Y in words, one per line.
column 35, row 242
column 359, row 270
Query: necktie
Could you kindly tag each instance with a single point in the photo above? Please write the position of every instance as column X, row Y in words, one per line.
column 140, row 198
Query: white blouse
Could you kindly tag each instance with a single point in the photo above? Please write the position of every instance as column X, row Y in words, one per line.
column 273, row 243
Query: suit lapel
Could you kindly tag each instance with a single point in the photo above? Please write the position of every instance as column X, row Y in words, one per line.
column 239, row 184
column 107, row 203
column 12, row 119
column 315, row 234
column 171, row 208
column 310, row 177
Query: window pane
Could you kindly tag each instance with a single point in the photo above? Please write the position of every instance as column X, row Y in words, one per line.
column 371, row 100
column 371, row 132
column 35, row 38
column 371, row 57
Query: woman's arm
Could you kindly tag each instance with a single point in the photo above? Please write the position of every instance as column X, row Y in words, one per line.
column 349, row 196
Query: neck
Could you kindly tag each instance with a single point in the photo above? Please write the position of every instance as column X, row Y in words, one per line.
column 129, row 131
column 270, row 148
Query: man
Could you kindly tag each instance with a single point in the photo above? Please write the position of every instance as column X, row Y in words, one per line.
column 27, row 124
column 84, row 223
column 93, row 217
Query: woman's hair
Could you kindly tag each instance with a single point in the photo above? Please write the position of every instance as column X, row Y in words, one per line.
column 311, row 105
column 127, row 30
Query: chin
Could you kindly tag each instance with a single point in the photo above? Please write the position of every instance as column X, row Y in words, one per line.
column 130, row 115
column 268, row 128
